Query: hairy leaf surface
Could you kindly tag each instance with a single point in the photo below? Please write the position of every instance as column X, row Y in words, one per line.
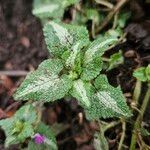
column 44, row 83
column 107, row 101
column 19, row 127
column 61, row 37
column 92, row 62
column 82, row 91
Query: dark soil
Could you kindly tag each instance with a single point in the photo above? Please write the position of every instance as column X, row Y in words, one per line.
column 22, row 47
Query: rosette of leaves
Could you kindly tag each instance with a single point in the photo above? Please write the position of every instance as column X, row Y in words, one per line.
column 74, row 70
column 51, row 9
column 23, row 125
column 19, row 127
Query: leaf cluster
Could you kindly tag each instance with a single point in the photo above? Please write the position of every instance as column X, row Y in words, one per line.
column 74, row 70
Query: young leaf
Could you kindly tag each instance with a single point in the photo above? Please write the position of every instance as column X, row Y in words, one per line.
column 107, row 101
column 19, row 127
column 123, row 17
column 44, row 83
column 92, row 14
column 45, row 9
column 92, row 62
column 115, row 60
column 142, row 73
column 91, row 70
column 26, row 113
column 75, row 55
column 82, row 91
column 61, row 37
column 98, row 47
column 145, row 132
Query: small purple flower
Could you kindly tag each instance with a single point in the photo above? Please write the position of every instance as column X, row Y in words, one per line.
column 39, row 139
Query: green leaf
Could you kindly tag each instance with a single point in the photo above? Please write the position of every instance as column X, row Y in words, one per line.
column 27, row 131
column 144, row 132
column 75, row 56
column 45, row 83
column 114, row 33
column 61, row 37
column 92, row 61
column 123, row 17
column 98, row 47
column 142, row 73
column 100, row 142
column 107, row 101
column 51, row 8
column 92, row 14
column 50, row 142
column 46, row 131
column 92, row 70
column 26, row 113
column 82, row 91
column 19, row 127
column 115, row 60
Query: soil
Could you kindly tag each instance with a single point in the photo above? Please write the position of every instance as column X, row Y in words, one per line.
column 22, row 48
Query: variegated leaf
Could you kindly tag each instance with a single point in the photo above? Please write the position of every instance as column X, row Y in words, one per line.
column 92, row 61
column 61, row 37
column 82, row 91
column 45, row 9
column 76, row 54
column 92, row 69
column 44, row 83
column 107, row 102
column 98, row 47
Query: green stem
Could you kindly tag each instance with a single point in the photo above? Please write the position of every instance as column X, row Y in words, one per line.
column 111, row 125
column 139, row 119
column 123, row 135
column 137, row 91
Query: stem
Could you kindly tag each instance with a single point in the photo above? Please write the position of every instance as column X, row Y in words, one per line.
column 123, row 135
column 93, row 29
column 111, row 125
column 14, row 73
column 139, row 119
column 105, row 3
column 115, row 20
column 137, row 91
column 111, row 14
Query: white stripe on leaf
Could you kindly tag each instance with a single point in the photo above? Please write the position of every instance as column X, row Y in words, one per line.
column 91, row 51
column 62, row 33
column 109, row 102
column 71, row 60
column 80, row 89
column 42, row 83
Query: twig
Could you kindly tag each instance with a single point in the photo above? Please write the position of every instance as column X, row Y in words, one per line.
column 111, row 125
column 139, row 119
column 105, row 3
column 14, row 73
column 15, row 104
column 123, row 135
column 111, row 14
column 115, row 20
